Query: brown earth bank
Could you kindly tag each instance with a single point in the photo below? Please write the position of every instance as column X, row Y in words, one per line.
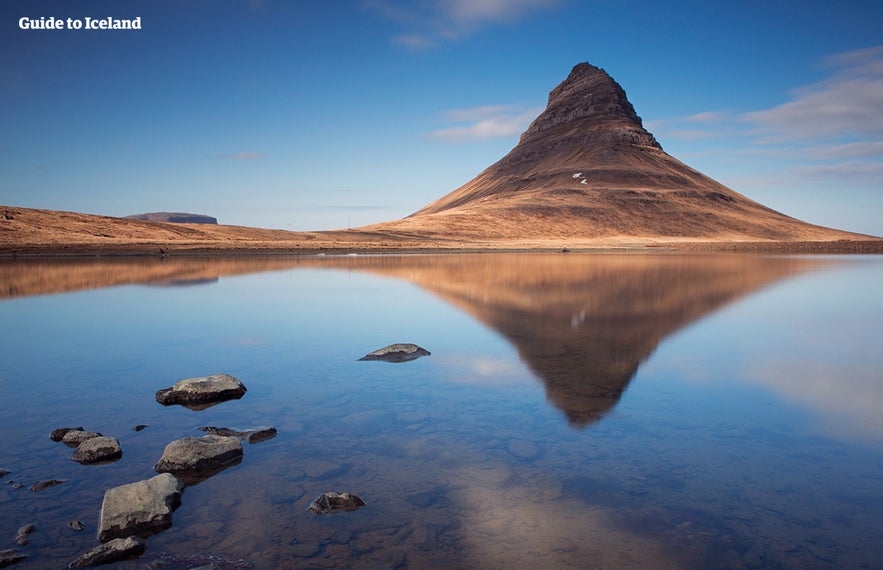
column 33, row 232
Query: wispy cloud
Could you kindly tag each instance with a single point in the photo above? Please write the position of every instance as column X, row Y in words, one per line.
column 830, row 130
column 486, row 122
column 848, row 103
column 432, row 22
column 243, row 155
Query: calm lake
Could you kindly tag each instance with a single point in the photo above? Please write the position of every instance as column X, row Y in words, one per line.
column 577, row 410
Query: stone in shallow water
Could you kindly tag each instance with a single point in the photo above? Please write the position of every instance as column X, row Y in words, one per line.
column 97, row 450
column 112, row 551
column 252, row 435
column 197, row 458
column 75, row 437
column 197, row 393
column 40, row 485
column 21, row 538
column 399, row 352
column 10, row 557
column 334, row 501
column 58, row 433
column 199, row 561
column 142, row 508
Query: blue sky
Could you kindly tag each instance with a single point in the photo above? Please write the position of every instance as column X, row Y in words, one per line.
column 319, row 115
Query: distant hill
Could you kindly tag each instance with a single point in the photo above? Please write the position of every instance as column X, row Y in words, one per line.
column 587, row 169
column 175, row 218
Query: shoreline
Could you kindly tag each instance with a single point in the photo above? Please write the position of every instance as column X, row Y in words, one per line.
column 160, row 250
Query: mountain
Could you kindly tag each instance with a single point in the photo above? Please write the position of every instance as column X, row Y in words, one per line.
column 586, row 168
column 175, row 218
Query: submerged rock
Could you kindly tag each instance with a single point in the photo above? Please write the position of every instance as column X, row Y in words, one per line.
column 333, row 501
column 97, row 450
column 399, row 352
column 112, row 551
column 199, row 561
column 195, row 459
column 75, row 437
column 40, row 485
column 142, row 508
column 253, row 435
column 10, row 557
column 58, row 433
column 202, row 392
column 76, row 525
column 21, row 537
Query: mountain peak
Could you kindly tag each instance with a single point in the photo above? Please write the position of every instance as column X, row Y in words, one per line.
column 590, row 100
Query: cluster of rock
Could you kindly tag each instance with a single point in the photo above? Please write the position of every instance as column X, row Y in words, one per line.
column 91, row 447
column 132, row 512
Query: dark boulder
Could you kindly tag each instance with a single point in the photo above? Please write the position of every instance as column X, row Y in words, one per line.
column 112, row 551
column 58, row 433
column 40, row 485
column 195, row 459
column 75, row 437
column 333, row 501
column 202, row 392
column 252, row 435
column 142, row 508
column 399, row 352
column 97, row 450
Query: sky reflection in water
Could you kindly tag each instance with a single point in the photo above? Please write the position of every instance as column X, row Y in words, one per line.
column 577, row 410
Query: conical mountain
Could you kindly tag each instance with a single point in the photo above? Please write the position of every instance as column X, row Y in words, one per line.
column 587, row 168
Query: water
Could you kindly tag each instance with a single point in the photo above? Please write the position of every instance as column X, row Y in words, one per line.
column 600, row 411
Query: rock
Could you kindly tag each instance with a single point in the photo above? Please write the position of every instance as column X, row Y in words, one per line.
column 75, row 437
column 39, row 486
column 10, row 557
column 169, row 561
column 333, row 501
column 76, row 525
column 399, row 352
column 198, row 393
column 112, row 551
column 96, row 450
column 139, row 427
column 141, row 508
column 22, row 536
column 4, row 472
column 58, row 433
column 197, row 458
column 253, row 435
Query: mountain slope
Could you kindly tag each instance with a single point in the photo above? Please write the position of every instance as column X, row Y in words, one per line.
column 587, row 168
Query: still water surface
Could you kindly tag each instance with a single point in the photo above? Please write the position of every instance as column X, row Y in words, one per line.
column 577, row 411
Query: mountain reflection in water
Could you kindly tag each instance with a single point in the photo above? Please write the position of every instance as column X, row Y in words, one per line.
column 582, row 323
column 585, row 323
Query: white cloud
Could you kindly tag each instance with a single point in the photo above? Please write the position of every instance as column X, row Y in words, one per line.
column 847, row 103
column 850, row 150
column 486, row 122
column 244, row 155
column 846, row 172
column 432, row 22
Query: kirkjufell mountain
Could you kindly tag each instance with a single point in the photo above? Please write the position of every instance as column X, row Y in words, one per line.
column 587, row 168
column 585, row 174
